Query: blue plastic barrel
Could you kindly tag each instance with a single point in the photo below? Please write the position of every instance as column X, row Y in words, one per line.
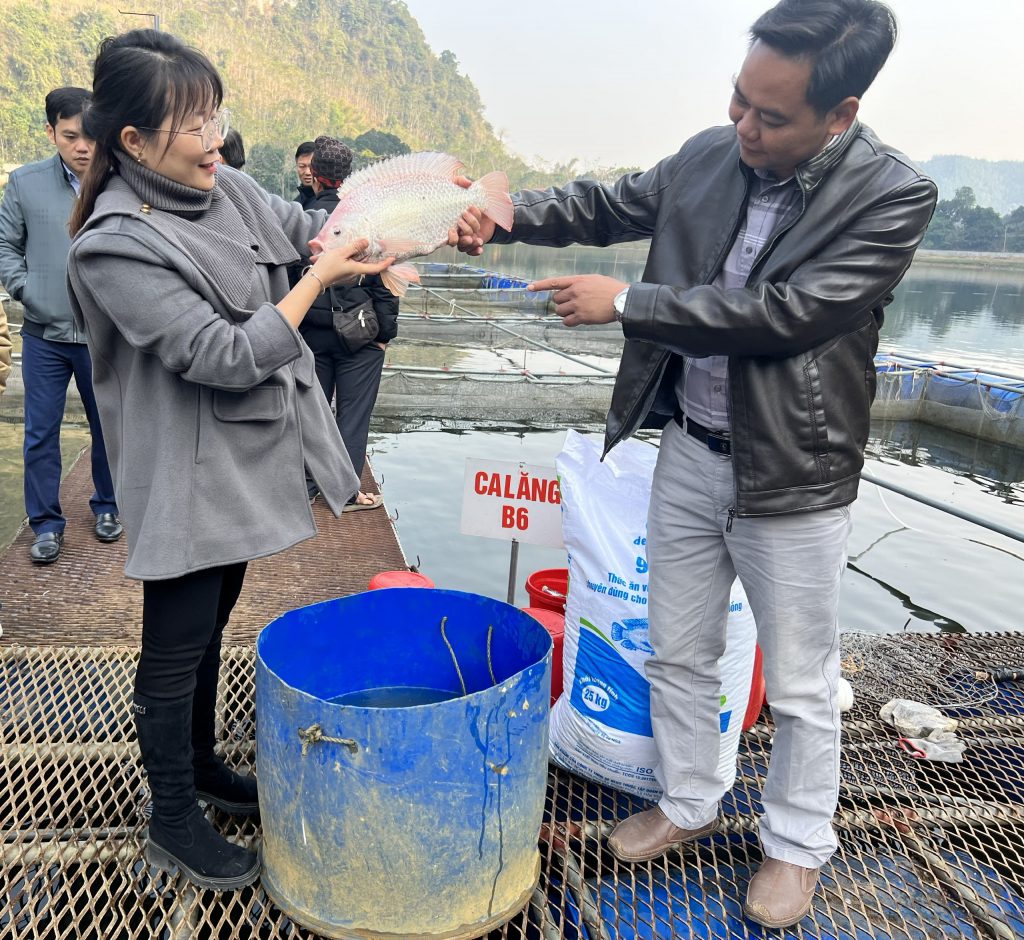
column 383, row 816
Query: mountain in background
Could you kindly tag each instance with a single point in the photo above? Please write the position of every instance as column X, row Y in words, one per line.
column 291, row 70
column 998, row 184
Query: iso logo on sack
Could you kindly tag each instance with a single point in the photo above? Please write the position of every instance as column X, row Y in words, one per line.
column 595, row 698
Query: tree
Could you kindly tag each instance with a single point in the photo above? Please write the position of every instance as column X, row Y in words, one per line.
column 1013, row 230
column 380, row 144
column 982, row 230
column 270, row 166
column 961, row 205
column 960, row 224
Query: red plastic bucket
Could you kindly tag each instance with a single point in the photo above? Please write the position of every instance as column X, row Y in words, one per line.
column 757, row 700
column 547, row 588
column 554, row 623
column 400, row 578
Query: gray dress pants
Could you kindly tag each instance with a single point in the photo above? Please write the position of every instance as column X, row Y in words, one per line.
column 790, row 567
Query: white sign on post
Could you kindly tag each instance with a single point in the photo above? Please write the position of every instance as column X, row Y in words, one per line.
column 512, row 501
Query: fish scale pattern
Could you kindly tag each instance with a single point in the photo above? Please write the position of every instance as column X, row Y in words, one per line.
column 926, row 850
column 410, row 200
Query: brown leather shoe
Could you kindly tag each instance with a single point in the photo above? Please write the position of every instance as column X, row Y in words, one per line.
column 651, row 833
column 780, row 894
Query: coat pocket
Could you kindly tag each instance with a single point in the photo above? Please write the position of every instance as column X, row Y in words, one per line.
column 258, row 404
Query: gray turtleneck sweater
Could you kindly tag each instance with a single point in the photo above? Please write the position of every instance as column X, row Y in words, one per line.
column 208, row 397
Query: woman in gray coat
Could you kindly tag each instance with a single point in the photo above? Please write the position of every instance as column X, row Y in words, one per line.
column 208, row 398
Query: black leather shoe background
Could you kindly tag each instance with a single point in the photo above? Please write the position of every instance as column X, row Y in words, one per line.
column 46, row 548
column 108, row 529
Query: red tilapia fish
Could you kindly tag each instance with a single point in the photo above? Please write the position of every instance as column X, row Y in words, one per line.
column 405, row 206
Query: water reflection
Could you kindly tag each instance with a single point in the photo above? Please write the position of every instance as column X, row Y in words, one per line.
column 909, row 564
column 911, row 561
column 974, row 314
column 961, row 312
column 996, row 468
column 512, row 359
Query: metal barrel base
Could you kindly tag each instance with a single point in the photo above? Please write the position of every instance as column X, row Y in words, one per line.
column 465, row 932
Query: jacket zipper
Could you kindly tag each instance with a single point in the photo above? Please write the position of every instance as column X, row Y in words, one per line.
column 764, row 254
column 721, row 259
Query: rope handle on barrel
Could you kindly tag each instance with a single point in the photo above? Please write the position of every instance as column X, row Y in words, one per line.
column 314, row 734
column 455, row 661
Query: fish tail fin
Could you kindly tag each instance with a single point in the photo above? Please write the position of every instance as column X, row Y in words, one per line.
column 497, row 202
column 398, row 277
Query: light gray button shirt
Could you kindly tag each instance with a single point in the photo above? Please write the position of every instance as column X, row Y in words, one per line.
column 703, row 387
column 76, row 183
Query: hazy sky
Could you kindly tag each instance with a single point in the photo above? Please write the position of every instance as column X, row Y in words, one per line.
column 621, row 83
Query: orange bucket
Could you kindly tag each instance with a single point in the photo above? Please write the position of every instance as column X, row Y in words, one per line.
column 547, row 588
column 400, row 578
column 554, row 623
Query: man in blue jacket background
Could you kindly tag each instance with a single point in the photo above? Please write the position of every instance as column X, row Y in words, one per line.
column 34, row 243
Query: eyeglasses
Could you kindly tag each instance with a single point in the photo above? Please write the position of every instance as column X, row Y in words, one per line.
column 212, row 130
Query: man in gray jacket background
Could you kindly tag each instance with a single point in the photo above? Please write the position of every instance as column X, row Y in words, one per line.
column 776, row 242
column 34, row 243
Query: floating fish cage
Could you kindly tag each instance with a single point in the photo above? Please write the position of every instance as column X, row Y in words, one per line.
column 985, row 405
column 926, row 849
column 449, row 288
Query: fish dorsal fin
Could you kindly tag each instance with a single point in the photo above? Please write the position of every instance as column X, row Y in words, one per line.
column 404, row 167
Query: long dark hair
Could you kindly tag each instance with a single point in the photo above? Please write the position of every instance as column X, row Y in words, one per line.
column 138, row 79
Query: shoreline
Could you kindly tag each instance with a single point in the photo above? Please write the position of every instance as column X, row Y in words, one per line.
column 933, row 257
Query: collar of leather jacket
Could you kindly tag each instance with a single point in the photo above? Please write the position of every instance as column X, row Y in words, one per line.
column 811, row 172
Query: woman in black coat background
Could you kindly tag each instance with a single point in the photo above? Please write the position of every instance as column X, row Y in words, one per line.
column 351, row 378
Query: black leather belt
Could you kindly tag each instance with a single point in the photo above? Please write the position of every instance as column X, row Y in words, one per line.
column 714, row 440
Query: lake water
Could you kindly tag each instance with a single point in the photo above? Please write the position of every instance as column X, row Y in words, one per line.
column 970, row 313
column 910, row 566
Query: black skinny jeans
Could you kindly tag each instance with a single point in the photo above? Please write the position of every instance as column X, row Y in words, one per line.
column 182, row 623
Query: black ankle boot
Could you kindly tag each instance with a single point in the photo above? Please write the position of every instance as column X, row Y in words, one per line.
column 216, row 783
column 179, row 834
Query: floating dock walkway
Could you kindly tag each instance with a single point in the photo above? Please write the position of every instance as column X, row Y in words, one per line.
column 926, row 849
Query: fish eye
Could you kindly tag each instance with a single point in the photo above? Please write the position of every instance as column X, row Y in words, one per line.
column 336, row 231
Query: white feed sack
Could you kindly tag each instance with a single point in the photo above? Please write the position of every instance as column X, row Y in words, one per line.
column 601, row 725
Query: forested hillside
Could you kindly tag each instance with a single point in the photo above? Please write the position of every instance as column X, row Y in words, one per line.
column 995, row 183
column 292, row 70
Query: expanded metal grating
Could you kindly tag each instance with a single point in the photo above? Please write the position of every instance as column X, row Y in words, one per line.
column 926, row 849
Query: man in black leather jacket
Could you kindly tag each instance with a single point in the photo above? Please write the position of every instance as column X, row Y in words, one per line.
column 775, row 244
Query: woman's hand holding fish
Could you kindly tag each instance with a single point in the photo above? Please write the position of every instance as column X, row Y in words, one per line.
column 583, row 298
column 340, row 265
column 332, row 266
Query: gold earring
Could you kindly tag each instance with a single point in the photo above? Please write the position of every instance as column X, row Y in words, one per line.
column 138, row 157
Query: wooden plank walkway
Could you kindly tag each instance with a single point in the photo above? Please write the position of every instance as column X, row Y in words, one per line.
column 84, row 599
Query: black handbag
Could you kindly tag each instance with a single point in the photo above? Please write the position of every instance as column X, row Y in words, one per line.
column 355, row 327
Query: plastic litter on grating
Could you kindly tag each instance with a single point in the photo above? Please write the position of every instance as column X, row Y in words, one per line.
column 926, row 849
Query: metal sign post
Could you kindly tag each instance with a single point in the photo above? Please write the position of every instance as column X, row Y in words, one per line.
column 513, row 564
